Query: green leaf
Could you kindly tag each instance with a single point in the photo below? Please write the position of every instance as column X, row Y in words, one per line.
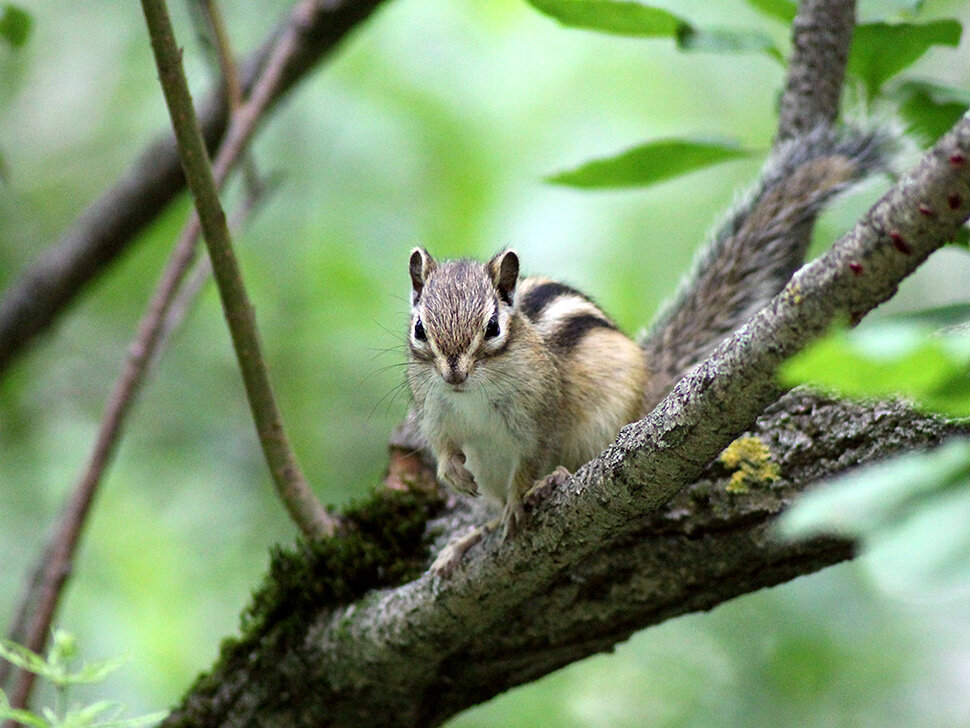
column 15, row 25
column 21, row 657
column 63, row 648
column 783, row 10
column 890, row 359
column 929, row 109
column 622, row 17
column 867, row 501
column 909, row 514
column 720, row 40
column 95, row 672
column 25, row 717
column 612, row 16
column 85, row 715
column 650, row 163
column 881, row 50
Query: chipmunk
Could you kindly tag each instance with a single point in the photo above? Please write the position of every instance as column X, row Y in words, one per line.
column 512, row 378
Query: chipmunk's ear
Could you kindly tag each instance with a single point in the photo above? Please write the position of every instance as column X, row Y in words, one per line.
column 420, row 267
column 504, row 269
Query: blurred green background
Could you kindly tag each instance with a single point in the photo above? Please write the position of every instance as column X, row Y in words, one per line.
column 434, row 124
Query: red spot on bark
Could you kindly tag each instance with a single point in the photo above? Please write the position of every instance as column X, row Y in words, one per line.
column 954, row 201
column 899, row 242
column 926, row 211
column 855, row 267
column 957, row 159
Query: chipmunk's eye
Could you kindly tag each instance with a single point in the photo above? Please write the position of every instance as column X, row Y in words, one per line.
column 491, row 328
column 419, row 333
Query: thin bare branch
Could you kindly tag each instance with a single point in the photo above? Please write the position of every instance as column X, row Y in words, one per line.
column 33, row 623
column 295, row 492
column 112, row 222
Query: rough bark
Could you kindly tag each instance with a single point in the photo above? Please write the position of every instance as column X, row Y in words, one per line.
column 821, row 37
column 418, row 654
column 415, row 654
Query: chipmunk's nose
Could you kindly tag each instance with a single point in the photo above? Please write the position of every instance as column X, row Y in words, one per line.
column 454, row 372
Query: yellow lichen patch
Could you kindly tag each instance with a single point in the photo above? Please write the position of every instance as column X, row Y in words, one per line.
column 750, row 459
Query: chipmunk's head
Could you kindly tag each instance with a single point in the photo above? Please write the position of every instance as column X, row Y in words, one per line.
column 460, row 312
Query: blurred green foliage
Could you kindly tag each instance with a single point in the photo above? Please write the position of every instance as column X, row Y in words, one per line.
column 435, row 123
column 14, row 25
column 56, row 668
column 903, row 356
column 650, row 163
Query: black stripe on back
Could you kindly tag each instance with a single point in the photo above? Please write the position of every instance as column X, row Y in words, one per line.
column 533, row 302
column 575, row 328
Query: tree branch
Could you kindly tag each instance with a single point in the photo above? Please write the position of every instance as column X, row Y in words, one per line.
column 359, row 659
column 821, row 38
column 416, row 655
column 291, row 485
column 603, row 555
column 39, row 605
column 112, row 222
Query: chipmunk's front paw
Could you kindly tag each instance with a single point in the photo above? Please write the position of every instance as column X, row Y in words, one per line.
column 542, row 489
column 452, row 470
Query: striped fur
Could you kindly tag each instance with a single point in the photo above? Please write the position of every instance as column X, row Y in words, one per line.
column 512, row 378
column 550, row 385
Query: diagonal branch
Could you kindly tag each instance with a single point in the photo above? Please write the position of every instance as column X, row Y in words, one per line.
column 379, row 662
column 294, row 490
column 111, row 223
column 417, row 653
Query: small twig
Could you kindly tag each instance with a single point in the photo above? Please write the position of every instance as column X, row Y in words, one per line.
column 35, row 615
column 304, row 508
column 229, row 73
column 227, row 65
column 110, row 224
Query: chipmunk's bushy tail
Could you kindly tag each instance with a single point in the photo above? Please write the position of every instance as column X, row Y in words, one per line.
column 759, row 246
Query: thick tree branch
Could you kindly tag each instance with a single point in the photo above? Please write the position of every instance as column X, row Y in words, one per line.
column 821, row 37
column 392, row 657
column 575, row 581
column 112, row 222
column 416, row 655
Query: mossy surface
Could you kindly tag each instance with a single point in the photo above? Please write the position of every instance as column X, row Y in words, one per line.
column 382, row 543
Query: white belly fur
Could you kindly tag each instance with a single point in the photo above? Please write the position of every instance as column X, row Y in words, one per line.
column 490, row 448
